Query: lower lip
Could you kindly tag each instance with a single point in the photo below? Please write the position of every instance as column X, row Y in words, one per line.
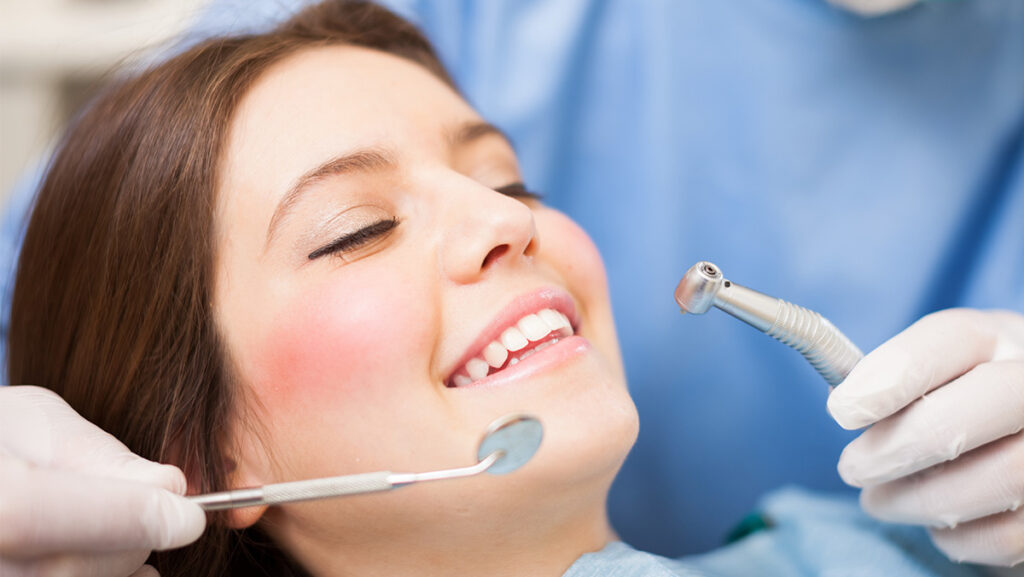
column 545, row 359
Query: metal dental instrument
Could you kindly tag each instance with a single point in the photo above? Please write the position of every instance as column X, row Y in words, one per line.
column 508, row 444
column 812, row 335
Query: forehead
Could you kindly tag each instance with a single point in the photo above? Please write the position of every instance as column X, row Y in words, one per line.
column 348, row 83
column 324, row 101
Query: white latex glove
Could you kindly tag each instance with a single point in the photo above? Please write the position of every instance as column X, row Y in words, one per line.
column 75, row 501
column 951, row 459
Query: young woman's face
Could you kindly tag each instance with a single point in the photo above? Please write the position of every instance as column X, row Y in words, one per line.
column 376, row 262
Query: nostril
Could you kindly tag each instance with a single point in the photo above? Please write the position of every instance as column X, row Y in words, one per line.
column 531, row 248
column 494, row 255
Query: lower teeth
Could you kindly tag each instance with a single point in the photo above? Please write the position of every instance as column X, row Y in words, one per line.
column 541, row 346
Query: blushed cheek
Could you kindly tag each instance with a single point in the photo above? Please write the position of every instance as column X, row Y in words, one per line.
column 569, row 245
column 565, row 245
column 335, row 347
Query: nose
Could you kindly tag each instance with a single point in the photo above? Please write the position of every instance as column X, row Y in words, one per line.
column 486, row 230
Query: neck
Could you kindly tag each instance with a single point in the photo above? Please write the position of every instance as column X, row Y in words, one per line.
column 513, row 542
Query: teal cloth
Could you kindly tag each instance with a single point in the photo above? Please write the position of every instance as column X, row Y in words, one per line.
column 811, row 536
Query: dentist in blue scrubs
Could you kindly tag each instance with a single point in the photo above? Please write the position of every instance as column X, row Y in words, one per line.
column 865, row 161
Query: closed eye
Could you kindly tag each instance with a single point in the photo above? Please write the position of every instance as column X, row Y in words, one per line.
column 359, row 238
column 519, row 190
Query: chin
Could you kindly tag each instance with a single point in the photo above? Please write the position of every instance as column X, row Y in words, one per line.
column 589, row 428
column 565, row 486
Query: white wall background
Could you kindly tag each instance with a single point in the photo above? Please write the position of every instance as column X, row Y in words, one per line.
column 52, row 55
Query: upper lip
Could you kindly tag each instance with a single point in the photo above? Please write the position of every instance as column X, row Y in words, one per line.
column 520, row 306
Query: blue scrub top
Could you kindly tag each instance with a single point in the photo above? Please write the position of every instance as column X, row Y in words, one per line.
column 869, row 169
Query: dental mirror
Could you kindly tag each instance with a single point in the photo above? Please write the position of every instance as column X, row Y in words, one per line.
column 517, row 437
column 508, row 443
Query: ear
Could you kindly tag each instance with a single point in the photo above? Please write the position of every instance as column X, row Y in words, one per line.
column 241, row 474
column 248, row 516
column 244, row 518
column 247, row 470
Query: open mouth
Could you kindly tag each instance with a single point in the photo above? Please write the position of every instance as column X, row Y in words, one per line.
column 531, row 333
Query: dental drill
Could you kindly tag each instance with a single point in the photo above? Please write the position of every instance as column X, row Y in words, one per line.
column 508, row 444
column 812, row 335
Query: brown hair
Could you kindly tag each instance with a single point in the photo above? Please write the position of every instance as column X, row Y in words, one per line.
column 112, row 302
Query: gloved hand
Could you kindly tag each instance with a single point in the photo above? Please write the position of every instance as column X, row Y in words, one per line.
column 75, row 501
column 946, row 397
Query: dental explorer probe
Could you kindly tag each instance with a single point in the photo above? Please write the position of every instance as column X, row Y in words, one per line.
column 508, row 443
column 812, row 335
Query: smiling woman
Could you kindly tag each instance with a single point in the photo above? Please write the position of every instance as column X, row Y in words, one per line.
column 302, row 254
column 395, row 263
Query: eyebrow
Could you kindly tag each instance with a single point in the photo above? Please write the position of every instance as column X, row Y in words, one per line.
column 475, row 130
column 370, row 160
column 366, row 160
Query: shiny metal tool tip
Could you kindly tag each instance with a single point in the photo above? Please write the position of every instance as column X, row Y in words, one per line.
column 508, row 443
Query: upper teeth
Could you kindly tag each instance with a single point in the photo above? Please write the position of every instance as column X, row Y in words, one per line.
column 531, row 328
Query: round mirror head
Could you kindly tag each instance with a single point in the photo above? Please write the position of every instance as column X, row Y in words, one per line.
column 517, row 436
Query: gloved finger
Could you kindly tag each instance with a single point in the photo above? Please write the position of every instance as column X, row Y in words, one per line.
column 128, row 466
column 981, row 406
column 934, row 350
column 983, row 482
column 46, row 511
column 39, row 427
column 995, row 540
column 123, row 564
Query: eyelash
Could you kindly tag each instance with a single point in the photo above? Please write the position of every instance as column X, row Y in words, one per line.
column 519, row 190
column 356, row 239
column 382, row 227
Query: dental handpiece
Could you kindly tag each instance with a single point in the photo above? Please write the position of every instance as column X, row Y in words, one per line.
column 508, row 444
column 812, row 335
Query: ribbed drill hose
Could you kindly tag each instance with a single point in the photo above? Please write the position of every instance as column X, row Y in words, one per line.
column 818, row 340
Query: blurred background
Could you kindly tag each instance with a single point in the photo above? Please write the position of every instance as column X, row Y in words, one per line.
column 55, row 53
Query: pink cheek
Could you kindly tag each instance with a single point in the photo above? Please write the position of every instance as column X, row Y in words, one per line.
column 574, row 250
column 333, row 347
